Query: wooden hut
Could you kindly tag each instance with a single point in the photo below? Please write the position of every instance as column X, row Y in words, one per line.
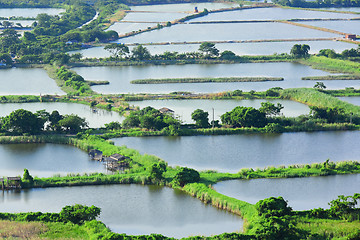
column 116, row 162
column 13, row 182
column 166, row 110
column 96, row 155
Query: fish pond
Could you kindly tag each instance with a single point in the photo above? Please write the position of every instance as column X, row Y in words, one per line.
column 45, row 160
column 131, row 209
column 301, row 193
column 28, row 12
column 352, row 100
column 232, row 152
column 264, row 48
column 184, row 7
column 271, row 14
column 184, row 108
column 31, row 81
column 120, row 77
column 227, row 32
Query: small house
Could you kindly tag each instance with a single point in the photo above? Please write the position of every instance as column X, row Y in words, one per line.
column 13, row 182
column 350, row 36
column 166, row 110
column 96, row 155
column 116, row 162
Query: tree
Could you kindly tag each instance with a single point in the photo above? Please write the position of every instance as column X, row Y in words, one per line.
column 300, row 51
column 228, row 55
column 186, row 175
column 209, row 49
column 54, row 119
column 22, row 121
column 140, row 53
column 9, row 38
column 201, row 118
column 270, row 109
column 157, row 170
column 244, row 117
column 7, row 24
column 27, row 177
column 118, row 50
column 113, row 125
column 78, row 214
column 334, row 114
column 72, row 123
column 319, row 86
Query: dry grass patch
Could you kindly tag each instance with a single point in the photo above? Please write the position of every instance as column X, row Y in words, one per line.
column 21, row 230
column 116, row 17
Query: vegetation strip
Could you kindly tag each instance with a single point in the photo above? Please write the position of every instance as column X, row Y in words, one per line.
column 332, row 77
column 205, row 80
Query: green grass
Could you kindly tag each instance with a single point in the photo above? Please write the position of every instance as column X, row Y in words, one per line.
column 205, row 80
column 328, row 228
column 332, row 64
column 332, row 77
column 313, row 97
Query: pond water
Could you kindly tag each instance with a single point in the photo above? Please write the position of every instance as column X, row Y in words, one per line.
column 153, row 17
column 352, row 100
column 45, row 160
column 131, row 209
column 120, row 77
column 125, row 27
column 233, row 152
column 184, row 108
column 264, row 48
column 28, row 12
column 270, row 14
column 302, row 193
column 352, row 27
column 31, row 81
column 183, row 7
column 95, row 119
column 349, row 9
column 226, row 32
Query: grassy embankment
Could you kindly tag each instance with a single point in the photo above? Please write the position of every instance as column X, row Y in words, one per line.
column 51, row 71
column 314, row 97
column 205, row 80
column 332, row 64
column 332, row 77
column 140, row 173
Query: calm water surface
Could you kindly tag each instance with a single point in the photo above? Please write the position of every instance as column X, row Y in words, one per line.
column 28, row 12
column 229, row 31
column 352, row 27
column 184, row 108
column 131, row 209
column 352, row 100
column 270, row 14
column 153, row 17
column 183, row 7
column 120, row 77
column 302, row 193
column 45, row 160
column 125, row 27
column 32, row 81
column 95, row 118
column 233, row 152
column 265, row 48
